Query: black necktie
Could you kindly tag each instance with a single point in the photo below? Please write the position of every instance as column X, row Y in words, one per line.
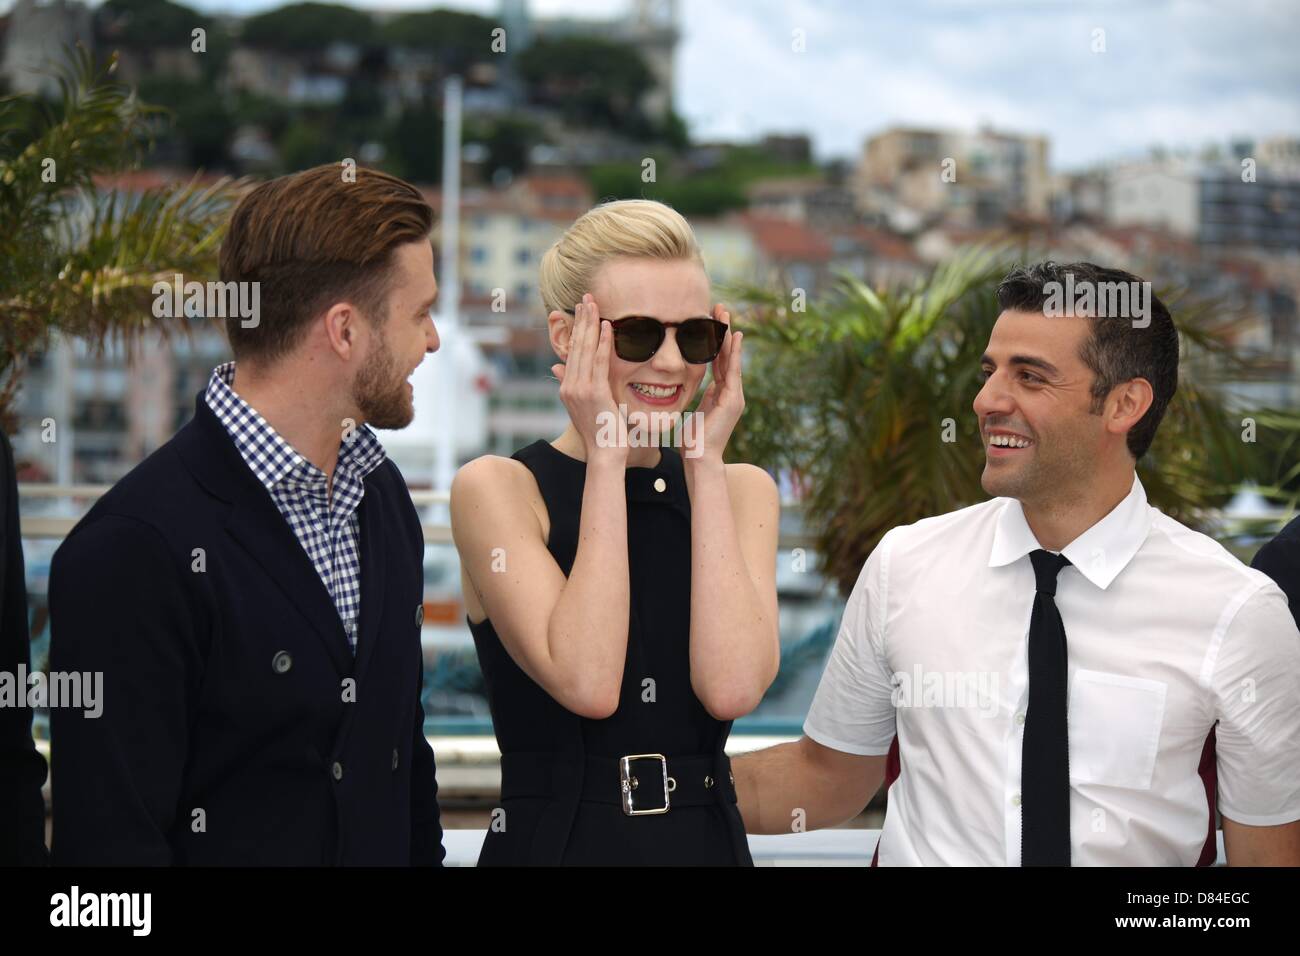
column 1045, row 757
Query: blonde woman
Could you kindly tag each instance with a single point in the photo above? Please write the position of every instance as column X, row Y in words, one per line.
column 622, row 593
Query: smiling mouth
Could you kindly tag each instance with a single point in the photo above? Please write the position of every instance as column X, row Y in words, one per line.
column 1000, row 445
column 655, row 394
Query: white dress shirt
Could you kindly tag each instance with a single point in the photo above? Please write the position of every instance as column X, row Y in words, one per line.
column 1167, row 634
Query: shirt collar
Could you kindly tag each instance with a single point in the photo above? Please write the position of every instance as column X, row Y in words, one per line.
column 1100, row 553
column 269, row 456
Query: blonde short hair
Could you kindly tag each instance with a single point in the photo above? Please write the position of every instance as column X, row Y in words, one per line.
column 623, row 228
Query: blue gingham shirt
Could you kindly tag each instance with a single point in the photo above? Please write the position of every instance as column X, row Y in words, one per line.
column 328, row 530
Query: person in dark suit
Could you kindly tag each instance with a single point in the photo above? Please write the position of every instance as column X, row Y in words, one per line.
column 22, row 769
column 252, row 593
column 1280, row 560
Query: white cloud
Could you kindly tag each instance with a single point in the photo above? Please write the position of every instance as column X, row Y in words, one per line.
column 1177, row 72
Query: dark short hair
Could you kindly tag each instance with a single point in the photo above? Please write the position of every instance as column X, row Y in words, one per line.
column 312, row 239
column 1116, row 351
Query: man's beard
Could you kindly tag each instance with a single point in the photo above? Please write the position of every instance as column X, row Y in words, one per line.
column 379, row 392
column 1056, row 472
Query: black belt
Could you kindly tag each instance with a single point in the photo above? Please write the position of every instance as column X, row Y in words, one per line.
column 640, row 783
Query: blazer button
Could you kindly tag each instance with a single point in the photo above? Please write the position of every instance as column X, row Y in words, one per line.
column 337, row 770
column 394, row 758
column 419, row 616
column 281, row 662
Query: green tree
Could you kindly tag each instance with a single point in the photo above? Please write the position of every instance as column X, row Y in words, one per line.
column 457, row 40
column 203, row 124
column 308, row 27
column 143, row 26
column 508, row 140
column 706, row 195
column 307, row 143
column 415, row 144
column 591, row 81
column 149, row 24
column 78, row 259
column 854, row 393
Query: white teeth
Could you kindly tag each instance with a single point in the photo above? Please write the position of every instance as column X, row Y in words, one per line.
column 1009, row 441
column 655, row 391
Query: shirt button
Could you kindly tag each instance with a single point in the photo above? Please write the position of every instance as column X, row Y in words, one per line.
column 419, row 616
column 1015, row 801
column 1020, row 717
column 337, row 770
column 281, row 662
column 660, row 484
column 394, row 758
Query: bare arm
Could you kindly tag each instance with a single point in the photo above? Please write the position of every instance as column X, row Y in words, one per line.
column 568, row 635
column 804, row 781
column 735, row 512
column 1261, row 846
column 735, row 642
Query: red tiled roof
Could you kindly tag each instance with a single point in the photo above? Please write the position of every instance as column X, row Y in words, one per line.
column 1128, row 237
column 557, row 184
column 883, row 244
column 1254, row 274
column 784, row 239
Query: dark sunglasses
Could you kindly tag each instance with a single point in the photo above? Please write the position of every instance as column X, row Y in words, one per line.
column 638, row 337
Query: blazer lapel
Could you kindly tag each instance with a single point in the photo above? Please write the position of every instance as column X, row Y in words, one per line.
column 257, row 525
column 374, row 558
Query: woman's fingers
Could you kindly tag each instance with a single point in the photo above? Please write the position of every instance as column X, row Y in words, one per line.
column 577, row 341
column 604, row 343
column 737, row 361
column 593, row 341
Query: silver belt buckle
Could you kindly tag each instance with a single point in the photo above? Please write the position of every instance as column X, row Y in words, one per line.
column 628, row 783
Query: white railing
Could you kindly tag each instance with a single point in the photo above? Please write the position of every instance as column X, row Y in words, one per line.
column 435, row 532
column 57, row 526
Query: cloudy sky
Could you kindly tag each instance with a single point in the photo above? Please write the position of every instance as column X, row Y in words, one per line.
column 1175, row 73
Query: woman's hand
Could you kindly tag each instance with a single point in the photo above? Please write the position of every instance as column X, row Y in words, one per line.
column 724, row 399
column 584, row 384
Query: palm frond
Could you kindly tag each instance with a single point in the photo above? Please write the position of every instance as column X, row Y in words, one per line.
column 79, row 258
column 865, row 399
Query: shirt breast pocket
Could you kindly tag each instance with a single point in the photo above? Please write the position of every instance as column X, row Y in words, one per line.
column 1114, row 723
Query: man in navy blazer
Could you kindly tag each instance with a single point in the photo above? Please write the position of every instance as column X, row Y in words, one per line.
column 22, row 769
column 252, row 593
column 1280, row 560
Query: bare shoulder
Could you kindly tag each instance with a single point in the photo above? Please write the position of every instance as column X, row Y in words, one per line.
column 752, row 484
column 492, row 485
column 490, row 475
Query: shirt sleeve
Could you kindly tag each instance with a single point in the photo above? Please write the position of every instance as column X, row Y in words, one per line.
column 853, row 709
column 1256, row 683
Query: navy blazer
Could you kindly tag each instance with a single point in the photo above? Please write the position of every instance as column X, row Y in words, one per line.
column 236, row 726
column 1280, row 560
column 22, row 769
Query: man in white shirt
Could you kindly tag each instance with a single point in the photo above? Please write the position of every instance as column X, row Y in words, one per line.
column 1183, row 665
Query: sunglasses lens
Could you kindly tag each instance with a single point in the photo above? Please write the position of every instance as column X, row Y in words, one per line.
column 635, row 340
column 700, row 340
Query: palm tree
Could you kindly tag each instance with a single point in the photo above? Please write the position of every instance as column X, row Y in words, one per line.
column 865, row 396
column 78, row 259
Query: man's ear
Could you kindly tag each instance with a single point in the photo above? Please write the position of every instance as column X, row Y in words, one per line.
column 341, row 320
column 1127, row 404
column 560, row 326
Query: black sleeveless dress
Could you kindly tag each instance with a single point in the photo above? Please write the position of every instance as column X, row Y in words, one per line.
column 564, row 790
